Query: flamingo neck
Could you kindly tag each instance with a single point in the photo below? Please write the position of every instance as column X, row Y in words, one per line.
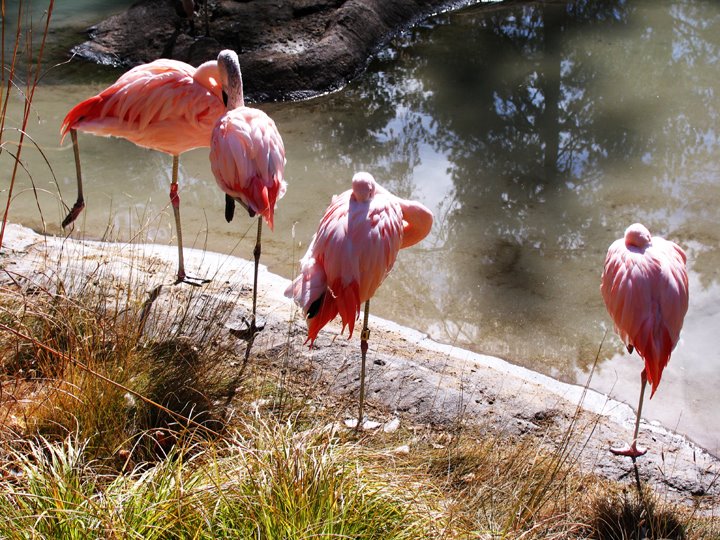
column 417, row 222
column 231, row 79
column 237, row 97
column 208, row 75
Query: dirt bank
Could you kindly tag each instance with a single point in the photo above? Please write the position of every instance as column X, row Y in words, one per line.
column 409, row 376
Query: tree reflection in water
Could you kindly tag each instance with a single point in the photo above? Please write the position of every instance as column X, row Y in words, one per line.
column 559, row 124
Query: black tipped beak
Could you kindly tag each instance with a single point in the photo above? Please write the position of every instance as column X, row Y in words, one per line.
column 314, row 308
column 225, row 98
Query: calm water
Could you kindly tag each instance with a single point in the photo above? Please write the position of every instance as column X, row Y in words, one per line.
column 536, row 134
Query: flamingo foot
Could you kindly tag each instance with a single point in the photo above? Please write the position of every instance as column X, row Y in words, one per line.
column 195, row 282
column 251, row 329
column 74, row 213
column 629, row 450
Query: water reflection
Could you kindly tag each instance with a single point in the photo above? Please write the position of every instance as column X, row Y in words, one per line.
column 555, row 127
column 535, row 133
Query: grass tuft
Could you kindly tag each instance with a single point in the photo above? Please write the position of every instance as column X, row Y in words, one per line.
column 83, row 363
column 268, row 482
column 505, row 488
column 308, row 484
column 620, row 517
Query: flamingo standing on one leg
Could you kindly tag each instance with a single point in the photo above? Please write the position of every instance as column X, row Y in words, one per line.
column 247, row 157
column 645, row 288
column 354, row 249
column 165, row 105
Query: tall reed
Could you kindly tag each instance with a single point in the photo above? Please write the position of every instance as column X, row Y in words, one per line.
column 11, row 80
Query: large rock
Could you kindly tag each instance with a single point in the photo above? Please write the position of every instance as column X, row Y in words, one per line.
column 288, row 49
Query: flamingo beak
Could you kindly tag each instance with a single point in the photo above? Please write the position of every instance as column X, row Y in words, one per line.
column 229, row 208
column 225, row 98
column 314, row 308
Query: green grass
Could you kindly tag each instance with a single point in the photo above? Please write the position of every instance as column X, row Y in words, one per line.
column 271, row 482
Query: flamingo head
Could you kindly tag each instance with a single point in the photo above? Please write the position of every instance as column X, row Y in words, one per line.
column 230, row 79
column 637, row 235
column 363, row 186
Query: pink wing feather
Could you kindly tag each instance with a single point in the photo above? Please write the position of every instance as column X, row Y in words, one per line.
column 645, row 289
column 165, row 105
column 247, row 157
column 352, row 252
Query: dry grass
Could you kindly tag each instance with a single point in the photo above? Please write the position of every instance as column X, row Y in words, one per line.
column 630, row 517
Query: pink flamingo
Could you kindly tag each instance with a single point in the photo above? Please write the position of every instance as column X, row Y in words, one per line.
column 165, row 105
column 645, row 288
column 354, row 249
column 247, row 157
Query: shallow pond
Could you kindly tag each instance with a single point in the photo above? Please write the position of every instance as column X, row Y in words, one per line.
column 535, row 133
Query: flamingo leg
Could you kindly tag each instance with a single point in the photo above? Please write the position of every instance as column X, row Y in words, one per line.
column 256, row 255
column 633, row 450
column 364, row 336
column 175, row 201
column 80, row 202
column 248, row 334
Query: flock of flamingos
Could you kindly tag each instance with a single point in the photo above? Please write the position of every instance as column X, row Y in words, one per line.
column 173, row 107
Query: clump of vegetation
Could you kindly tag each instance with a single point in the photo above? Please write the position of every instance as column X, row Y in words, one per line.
column 635, row 518
column 115, row 431
column 506, row 488
column 270, row 482
column 90, row 369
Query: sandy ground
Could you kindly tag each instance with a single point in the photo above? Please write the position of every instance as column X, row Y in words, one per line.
column 409, row 376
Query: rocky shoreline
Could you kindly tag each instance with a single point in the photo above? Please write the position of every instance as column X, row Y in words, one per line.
column 289, row 50
column 409, row 375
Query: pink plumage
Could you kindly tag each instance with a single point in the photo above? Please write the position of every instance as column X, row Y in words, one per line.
column 645, row 288
column 247, row 157
column 165, row 105
column 354, row 249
